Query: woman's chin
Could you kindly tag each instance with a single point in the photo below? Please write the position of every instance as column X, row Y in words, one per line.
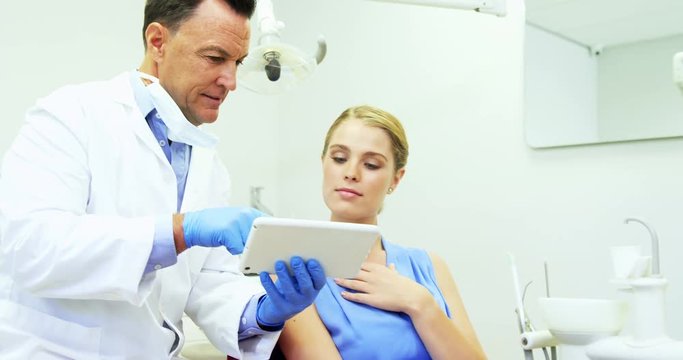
column 351, row 217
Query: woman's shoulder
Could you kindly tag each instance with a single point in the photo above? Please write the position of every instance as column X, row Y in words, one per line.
column 437, row 261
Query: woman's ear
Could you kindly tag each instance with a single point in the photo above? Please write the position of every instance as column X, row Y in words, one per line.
column 397, row 179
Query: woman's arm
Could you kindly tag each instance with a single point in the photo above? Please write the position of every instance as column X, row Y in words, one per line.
column 384, row 288
column 444, row 337
column 306, row 337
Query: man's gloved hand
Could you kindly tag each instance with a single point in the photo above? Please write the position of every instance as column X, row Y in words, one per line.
column 290, row 294
column 226, row 226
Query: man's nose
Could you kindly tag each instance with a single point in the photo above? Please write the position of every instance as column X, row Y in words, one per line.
column 228, row 77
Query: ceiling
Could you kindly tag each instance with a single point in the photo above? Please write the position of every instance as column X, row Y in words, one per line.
column 603, row 23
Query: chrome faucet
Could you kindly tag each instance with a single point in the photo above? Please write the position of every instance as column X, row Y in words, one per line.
column 655, row 244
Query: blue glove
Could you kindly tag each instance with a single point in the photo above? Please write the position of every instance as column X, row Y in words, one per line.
column 227, row 226
column 291, row 294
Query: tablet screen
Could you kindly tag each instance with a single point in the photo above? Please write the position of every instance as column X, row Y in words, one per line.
column 340, row 247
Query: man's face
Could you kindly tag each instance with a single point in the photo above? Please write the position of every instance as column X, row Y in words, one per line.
column 197, row 64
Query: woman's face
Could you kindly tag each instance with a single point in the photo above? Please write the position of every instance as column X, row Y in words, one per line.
column 358, row 170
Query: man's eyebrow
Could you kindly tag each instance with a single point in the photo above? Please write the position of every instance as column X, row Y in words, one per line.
column 217, row 49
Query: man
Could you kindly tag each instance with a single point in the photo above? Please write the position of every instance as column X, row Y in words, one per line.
column 113, row 212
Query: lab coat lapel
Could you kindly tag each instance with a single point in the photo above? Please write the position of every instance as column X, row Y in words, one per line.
column 123, row 93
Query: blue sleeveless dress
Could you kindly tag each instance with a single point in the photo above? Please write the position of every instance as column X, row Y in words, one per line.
column 364, row 332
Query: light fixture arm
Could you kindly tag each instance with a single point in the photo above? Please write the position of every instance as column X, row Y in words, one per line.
column 269, row 28
column 494, row 7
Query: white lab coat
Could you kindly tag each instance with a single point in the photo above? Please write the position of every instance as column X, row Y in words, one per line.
column 80, row 189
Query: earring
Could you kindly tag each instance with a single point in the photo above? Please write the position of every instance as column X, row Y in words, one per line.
column 390, row 190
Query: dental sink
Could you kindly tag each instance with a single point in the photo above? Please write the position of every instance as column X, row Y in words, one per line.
column 577, row 321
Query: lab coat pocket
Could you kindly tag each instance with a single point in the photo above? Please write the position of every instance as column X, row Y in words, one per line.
column 34, row 333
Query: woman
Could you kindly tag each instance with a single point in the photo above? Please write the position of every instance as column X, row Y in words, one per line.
column 404, row 303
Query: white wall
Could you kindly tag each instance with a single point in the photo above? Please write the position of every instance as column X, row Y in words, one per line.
column 473, row 191
column 53, row 43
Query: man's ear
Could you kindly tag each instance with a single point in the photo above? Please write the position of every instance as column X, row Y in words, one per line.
column 156, row 36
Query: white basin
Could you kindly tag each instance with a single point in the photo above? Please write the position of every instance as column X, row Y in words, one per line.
column 578, row 321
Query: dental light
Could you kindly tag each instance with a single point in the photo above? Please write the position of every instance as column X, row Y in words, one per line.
column 273, row 67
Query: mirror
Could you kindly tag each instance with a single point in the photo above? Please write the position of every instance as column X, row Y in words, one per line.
column 600, row 71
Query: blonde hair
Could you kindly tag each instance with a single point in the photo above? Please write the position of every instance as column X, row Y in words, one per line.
column 377, row 118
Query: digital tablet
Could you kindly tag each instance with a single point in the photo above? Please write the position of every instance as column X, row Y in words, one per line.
column 340, row 247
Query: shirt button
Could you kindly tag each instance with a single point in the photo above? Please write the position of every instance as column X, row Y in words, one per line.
column 244, row 321
column 157, row 116
column 157, row 267
column 162, row 143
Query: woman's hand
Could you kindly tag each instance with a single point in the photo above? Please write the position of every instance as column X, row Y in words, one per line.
column 384, row 288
